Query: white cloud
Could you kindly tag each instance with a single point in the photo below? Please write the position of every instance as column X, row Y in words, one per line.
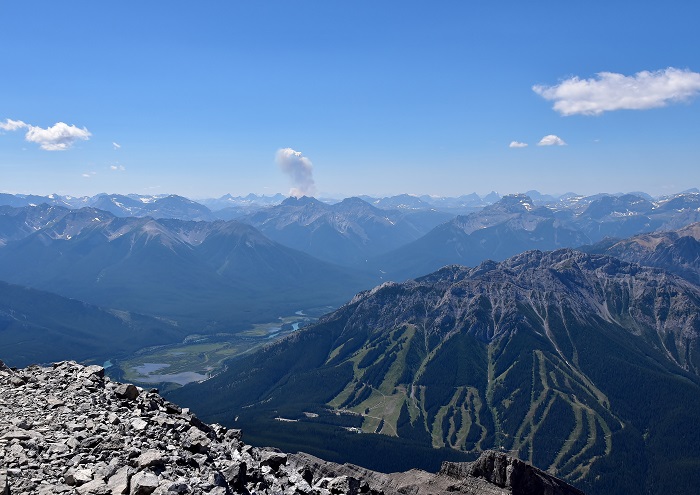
column 12, row 125
column 117, row 167
column 517, row 144
column 58, row 137
column 300, row 170
column 610, row 91
column 116, row 145
column 551, row 140
column 89, row 175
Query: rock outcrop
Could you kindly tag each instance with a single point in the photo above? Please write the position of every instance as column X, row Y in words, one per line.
column 69, row 429
column 494, row 473
column 509, row 473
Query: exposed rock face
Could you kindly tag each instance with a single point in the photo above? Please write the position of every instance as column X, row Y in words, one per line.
column 676, row 251
column 510, row 473
column 494, row 473
column 69, row 429
column 548, row 355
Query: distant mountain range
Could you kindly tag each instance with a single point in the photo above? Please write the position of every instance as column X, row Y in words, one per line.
column 251, row 200
column 345, row 233
column 516, row 223
column 674, row 251
column 160, row 207
column 212, row 273
column 131, row 205
column 510, row 226
column 454, row 205
column 157, row 255
column 585, row 365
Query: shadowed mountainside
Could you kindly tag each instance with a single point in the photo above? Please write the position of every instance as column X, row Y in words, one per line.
column 39, row 327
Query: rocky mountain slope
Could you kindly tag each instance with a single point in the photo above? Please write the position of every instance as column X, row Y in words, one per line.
column 18, row 223
column 68, row 429
column 578, row 363
column 674, row 251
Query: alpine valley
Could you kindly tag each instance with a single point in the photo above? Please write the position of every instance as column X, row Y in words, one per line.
column 562, row 331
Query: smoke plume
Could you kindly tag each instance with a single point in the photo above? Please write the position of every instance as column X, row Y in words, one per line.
column 299, row 169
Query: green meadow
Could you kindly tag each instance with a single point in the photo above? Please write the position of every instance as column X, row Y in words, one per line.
column 199, row 357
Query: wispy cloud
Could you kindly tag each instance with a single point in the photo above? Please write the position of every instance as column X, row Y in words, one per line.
column 517, row 144
column 551, row 140
column 116, row 146
column 610, row 91
column 89, row 175
column 119, row 168
column 300, row 170
column 58, row 137
column 12, row 125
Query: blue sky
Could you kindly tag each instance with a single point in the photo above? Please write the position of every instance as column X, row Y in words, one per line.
column 379, row 98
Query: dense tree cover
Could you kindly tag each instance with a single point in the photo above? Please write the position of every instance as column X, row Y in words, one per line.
column 379, row 452
column 597, row 396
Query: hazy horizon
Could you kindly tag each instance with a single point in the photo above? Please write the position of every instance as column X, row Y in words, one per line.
column 331, row 196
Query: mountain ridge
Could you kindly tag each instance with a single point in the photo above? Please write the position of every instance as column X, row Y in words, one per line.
column 516, row 223
column 674, row 251
column 345, row 233
column 515, row 355
column 39, row 327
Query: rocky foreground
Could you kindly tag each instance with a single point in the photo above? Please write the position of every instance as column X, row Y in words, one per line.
column 69, row 429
